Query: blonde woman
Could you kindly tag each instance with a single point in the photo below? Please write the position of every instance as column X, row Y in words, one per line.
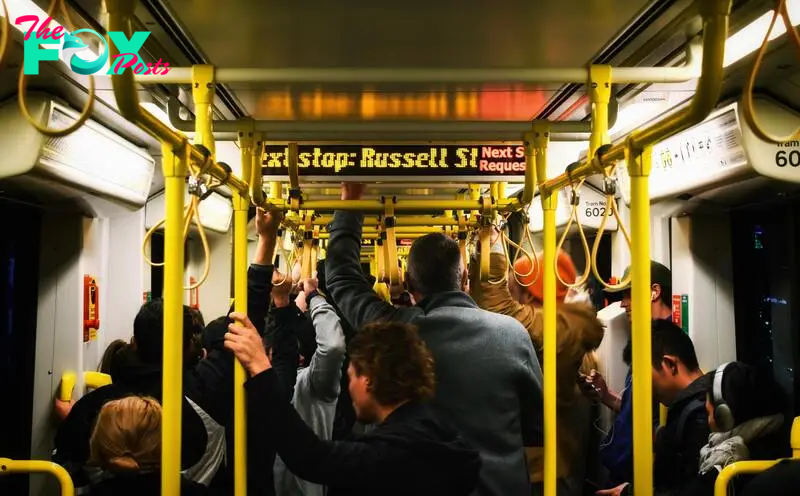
column 126, row 445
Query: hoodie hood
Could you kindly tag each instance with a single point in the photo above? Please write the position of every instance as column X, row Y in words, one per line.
column 441, row 460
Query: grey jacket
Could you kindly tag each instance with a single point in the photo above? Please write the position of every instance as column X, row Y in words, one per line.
column 316, row 392
column 488, row 379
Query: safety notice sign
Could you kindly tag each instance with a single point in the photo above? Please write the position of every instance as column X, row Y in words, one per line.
column 680, row 311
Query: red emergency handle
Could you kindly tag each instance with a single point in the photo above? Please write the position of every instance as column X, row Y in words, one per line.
column 91, row 306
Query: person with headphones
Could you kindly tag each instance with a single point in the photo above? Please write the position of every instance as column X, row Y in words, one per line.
column 745, row 413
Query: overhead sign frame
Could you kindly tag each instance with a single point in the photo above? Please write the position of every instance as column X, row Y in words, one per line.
column 398, row 162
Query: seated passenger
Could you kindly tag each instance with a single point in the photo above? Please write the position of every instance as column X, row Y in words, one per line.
column 126, row 445
column 781, row 480
column 489, row 379
column 745, row 415
column 679, row 384
column 138, row 372
column 579, row 332
column 322, row 352
column 391, row 375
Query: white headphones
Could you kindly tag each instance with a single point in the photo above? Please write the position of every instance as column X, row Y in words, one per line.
column 722, row 412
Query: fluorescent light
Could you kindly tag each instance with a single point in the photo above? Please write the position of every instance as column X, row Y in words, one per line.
column 749, row 39
column 157, row 113
column 216, row 213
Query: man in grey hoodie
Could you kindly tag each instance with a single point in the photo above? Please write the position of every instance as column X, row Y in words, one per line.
column 488, row 379
column 322, row 350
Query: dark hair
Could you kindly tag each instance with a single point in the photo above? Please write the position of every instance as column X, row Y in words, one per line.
column 748, row 392
column 396, row 360
column 214, row 334
column 148, row 330
column 434, row 264
column 666, row 295
column 109, row 356
column 197, row 320
column 669, row 339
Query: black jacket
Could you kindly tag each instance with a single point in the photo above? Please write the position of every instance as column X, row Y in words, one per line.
column 141, row 484
column 409, row 453
column 210, row 384
column 474, row 351
column 677, row 456
column 131, row 377
column 781, row 480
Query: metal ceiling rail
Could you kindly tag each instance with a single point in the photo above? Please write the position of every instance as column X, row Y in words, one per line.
column 368, row 75
column 715, row 28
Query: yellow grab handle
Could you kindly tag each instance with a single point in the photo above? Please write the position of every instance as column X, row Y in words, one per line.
column 8, row 466
column 95, row 380
column 68, row 380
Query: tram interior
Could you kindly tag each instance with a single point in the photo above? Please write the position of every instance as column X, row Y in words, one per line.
column 724, row 218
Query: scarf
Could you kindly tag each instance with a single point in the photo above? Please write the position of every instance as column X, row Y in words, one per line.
column 724, row 448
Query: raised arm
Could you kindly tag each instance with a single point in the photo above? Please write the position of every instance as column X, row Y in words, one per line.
column 497, row 298
column 287, row 319
column 356, row 465
column 325, row 369
column 259, row 275
column 346, row 282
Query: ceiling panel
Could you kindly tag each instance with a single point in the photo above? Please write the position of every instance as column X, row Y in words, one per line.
column 411, row 34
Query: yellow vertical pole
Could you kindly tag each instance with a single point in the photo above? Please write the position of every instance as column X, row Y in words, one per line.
column 308, row 242
column 174, row 168
column 639, row 165
column 599, row 97
column 494, row 190
column 241, row 204
column 275, row 190
column 539, row 138
column 203, row 96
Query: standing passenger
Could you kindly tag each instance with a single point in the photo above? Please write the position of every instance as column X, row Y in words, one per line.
column 578, row 332
column 679, row 384
column 410, row 451
column 617, row 448
column 126, row 445
column 322, row 352
column 489, row 380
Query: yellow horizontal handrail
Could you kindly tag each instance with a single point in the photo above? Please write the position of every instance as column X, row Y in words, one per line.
column 91, row 379
column 624, row 75
column 400, row 220
column 403, row 205
column 715, row 18
column 9, row 466
column 739, row 468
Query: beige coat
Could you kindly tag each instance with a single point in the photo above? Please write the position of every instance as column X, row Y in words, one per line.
column 579, row 333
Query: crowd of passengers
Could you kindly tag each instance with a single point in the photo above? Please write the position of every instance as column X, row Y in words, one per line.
column 437, row 394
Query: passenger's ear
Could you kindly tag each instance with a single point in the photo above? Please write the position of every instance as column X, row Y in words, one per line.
column 671, row 364
column 655, row 292
column 464, row 279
